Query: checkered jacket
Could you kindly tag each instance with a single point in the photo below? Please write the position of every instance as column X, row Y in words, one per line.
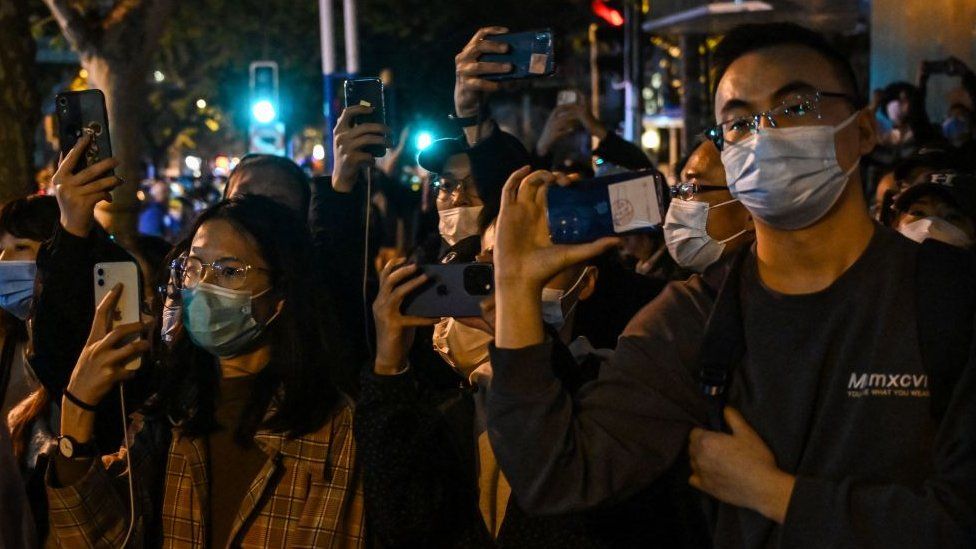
column 308, row 494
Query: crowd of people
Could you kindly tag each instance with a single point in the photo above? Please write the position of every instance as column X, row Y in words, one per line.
column 786, row 361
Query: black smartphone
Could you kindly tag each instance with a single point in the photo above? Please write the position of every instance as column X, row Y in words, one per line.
column 368, row 92
column 530, row 54
column 938, row 67
column 83, row 112
column 453, row 289
column 605, row 206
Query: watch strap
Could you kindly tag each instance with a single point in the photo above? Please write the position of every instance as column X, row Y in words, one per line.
column 465, row 121
column 78, row 449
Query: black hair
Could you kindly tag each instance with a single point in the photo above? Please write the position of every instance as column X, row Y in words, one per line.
column 33, row 217
column 748, row 38
column 297, row 383
column 280, row 171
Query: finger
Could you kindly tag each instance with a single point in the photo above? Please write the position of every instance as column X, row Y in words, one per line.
column 122, row 332
column 475, row 322
column 399, row 275
column 735, row 421
column 100, row 186
column 367, row 128
column 541, row 192
column 417, row 321
column 105, row 312
column 695, row 482
column 364, row 140
column 476, row 68
column 582, row 252
column 510, row 190
column 359, row 158
column 530, row 185
column 70, row 161
column 480, row 84
column 483, row 33
column 404, row 289
column 92, row 172
column 121, row 356
column 694, row 437
column 349, row 113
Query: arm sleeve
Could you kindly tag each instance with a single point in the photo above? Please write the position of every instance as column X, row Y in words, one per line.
column 411, row 475
column 619, row 433
column 623, row 153
column 939, row 512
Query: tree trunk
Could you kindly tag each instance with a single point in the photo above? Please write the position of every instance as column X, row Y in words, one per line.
column 19, row 103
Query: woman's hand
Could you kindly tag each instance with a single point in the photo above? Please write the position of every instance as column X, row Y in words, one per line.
column 395, row 332
column 739, row 469
column 78, row 193
column 561, row 122
column 347, row 146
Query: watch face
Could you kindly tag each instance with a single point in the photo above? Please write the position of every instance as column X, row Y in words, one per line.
column 67, row 449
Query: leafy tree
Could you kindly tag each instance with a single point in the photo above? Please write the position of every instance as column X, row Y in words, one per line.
column 19, row 101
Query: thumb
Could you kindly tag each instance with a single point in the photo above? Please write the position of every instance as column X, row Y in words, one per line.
column 735, row 421
column 582, row 252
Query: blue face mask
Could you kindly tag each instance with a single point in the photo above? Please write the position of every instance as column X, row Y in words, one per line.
column 956, row 131
column 17, row 286
column 220, row 321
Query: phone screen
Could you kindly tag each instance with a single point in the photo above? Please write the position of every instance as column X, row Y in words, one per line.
column 79, row 113
column 605, row 206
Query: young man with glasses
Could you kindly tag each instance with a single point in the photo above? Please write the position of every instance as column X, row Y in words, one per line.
column 840, row 432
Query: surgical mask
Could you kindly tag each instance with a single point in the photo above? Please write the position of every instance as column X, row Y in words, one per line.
column 558, row 304
column 219, row 320
column 686, row 238
column 787, row 177
column 956, row 130
column 464, row 348
column 17, row 287
column 935, row 228
column 459, row 223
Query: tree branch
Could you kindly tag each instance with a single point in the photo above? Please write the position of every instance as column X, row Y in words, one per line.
column 73, row 25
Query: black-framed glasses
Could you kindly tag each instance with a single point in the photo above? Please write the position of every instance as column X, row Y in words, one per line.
column 449, row 185
column 686, row 190
column 800, row 109
column 229, row 272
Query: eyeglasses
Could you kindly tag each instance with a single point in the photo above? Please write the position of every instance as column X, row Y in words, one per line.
column 449, row 185
column 687, row 190
column 230, row 272
column 802, row 109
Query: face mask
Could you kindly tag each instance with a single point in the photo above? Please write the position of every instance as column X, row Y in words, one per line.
column 787, row 177
column 956, row 131
column 17, row 286
column 463, row 347
column 557, row 304
column 459, row 223
column 935, row 228
column 685, row 235
column 219, row 320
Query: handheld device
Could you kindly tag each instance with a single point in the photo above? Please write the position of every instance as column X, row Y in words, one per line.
column 939, row 67
column 530, row 53
column 453, row 289
column 79, row 113
column 605, row 206
column 567, row 97
column 368, row 92
column 107, row 275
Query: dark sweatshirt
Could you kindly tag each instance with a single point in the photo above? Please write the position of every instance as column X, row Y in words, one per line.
column 833, row 382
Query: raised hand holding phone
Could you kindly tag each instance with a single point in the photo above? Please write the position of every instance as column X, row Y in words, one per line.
column 470, row 86
column 78, row 193
column 394, row 330
column 349, row 146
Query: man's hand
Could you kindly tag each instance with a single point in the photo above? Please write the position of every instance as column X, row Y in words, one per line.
column 561, row 122
column 589, row 122
column 469, row 86
column 525, row 258
column 739, row 469
column 347, row 144
column 79, row 193
column 395, row 332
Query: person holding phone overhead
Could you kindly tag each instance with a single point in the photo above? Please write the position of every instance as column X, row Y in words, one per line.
column 248, row 437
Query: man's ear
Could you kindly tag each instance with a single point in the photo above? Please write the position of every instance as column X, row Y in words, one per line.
column 589, row 282
column 867, row 131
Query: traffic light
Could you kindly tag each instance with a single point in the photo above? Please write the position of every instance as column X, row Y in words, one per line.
column 264, row 91
column 607, row 11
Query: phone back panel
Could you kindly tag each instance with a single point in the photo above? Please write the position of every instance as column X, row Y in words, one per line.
column 444, row 294
column 107, row 275
column 80, row 111
column 530, row 53
column 368, row 91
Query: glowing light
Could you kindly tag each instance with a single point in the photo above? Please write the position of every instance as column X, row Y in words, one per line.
column 608, row 14
column 651, row 139
column 83, row 73
column 424, row 139
column 211, row 124
column 318, row 152
column 201, row 103
column 158, row 76
column 193, row 163
column 263, row 111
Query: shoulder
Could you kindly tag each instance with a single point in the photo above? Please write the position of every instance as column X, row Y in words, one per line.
column 681, row 305
column 331, row 445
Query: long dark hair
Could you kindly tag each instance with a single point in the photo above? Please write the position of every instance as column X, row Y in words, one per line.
column 297, row 383
column 35, row 218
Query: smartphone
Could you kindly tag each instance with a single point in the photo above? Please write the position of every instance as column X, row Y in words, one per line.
column 368, row 92
column 79, row 113
column 605, row 206
column 530, row 54
column 107, row 275
column 938, row 67
column 453, row 289
column 567, row 97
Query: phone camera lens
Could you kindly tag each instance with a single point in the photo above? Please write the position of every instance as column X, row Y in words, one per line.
column 101, row 272
column 63, row 101
column 101, row 282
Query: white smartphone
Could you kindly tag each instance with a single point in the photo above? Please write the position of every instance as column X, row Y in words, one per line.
column 567, row 97
column 107, row 275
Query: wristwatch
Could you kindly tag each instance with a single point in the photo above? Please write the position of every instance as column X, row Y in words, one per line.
column 72, row 449
column 465, row 121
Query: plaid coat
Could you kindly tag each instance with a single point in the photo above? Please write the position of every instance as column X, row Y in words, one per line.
column 308, row 494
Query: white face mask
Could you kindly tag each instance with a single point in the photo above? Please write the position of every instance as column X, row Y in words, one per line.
column 463, row 347
column 459, row 223
column 787, row 177
column 558, row 304
column 935, row 228
column 686, row 238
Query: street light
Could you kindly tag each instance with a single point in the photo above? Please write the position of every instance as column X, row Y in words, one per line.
column 158, row 76
column 263, row 111
column 201, row 103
